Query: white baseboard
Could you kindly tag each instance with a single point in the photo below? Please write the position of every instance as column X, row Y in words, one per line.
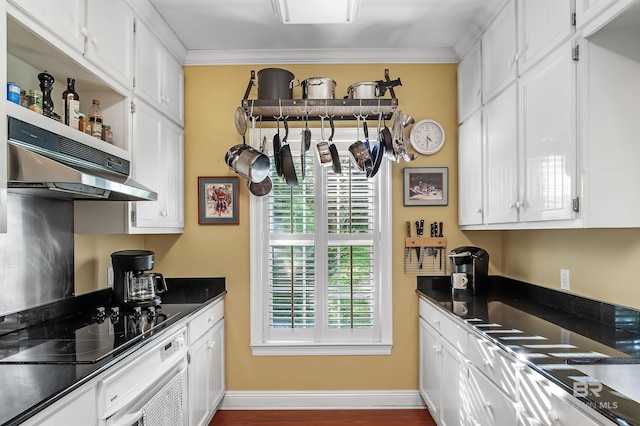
column 321, row 400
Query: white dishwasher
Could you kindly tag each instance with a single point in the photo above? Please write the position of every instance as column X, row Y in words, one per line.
column 150, row 388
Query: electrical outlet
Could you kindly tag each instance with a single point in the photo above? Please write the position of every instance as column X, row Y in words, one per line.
column 565, row 336
column 110, row 276
column 564, row 279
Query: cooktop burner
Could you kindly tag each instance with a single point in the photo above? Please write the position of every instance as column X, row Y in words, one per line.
column 82, row 340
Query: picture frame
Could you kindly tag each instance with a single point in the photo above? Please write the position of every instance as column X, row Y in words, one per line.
column 425, row 186
column 218, row 200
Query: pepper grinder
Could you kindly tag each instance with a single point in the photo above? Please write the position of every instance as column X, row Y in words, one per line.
column 46, row 85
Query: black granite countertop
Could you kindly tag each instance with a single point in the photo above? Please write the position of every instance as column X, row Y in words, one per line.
column 27, row 389
column 561, row 328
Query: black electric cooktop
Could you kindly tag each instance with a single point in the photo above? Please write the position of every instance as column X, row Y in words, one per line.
column 84, row 339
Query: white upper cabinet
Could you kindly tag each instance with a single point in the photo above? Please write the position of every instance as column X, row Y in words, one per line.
column 588, row 9
column 64, row 18
column 501, row 195
column 159, row 77
column 470, row 83
column 547, row 130
column 159, row 160
column 470, row 171
column 499, row 52
column 110, row 38
column 542, row 26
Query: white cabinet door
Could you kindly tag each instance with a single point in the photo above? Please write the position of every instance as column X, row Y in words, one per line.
column 588, row 9
column 429, row 380
column 548, row 137
column 216, row 362
column 64, row 18
column 489, row 405
column 110, row 38
column 158, row 153
column 452, row 379
column 470, row 83
column 199, row 378
column 148, row 159
column 501, row 190
column 148, row 65
column 499, row 52
column 206, row 375
column 542, row 26
column 173, row 88
column 159, row 77
column 470, row 171
column 173, row 176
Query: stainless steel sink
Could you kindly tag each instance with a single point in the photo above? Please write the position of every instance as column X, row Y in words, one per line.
column 621, row 375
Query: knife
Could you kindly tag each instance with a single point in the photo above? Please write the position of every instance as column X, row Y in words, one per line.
column 440, row 229
column 420, row 226
column 407, row 250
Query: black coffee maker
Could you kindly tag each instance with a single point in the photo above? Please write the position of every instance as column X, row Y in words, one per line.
column 132, row 285
column 472, row 263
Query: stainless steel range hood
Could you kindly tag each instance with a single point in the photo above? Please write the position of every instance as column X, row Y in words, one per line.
column 45, row 164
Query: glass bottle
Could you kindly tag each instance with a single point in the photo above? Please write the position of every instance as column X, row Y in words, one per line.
column 71, row 104
column 95, row 119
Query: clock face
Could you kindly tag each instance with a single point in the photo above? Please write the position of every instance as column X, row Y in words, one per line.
column 427, row 137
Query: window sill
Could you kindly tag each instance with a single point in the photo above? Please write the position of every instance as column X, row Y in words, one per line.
column 320, row 349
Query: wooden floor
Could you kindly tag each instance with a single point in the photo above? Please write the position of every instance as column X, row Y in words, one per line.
column 323, row 418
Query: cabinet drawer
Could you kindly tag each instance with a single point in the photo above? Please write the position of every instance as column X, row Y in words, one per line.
column 488, row 359
column 487, row 404
column 204, row 320
column 547, row 404
column 446, row 325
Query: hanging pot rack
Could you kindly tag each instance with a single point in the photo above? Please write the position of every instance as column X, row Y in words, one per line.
column 314, row 109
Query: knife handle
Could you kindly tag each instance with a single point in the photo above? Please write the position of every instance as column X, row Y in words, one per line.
column 408, row 228
column 440, row 229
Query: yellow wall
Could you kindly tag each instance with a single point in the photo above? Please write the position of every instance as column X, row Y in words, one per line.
column 602, row 262
column 212, row 93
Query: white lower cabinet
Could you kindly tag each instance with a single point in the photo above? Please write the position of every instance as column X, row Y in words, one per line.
column 76, row 409
column 206, row 365
column 465, row 379
column 545, row 403
column 488, row 404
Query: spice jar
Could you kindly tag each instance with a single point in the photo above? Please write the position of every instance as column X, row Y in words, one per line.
column 107, row 134
column 84, row 125
column 24, row 101
column 35, row 100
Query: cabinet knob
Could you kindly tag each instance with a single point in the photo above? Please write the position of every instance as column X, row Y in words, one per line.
column 84, row 32
column 94, row 40
column 212, row 344
column 210, row 319
column 478, row 211
column 553, row 416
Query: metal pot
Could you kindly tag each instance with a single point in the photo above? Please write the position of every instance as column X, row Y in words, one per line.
column 275, row 83
column 371, row 89
column 318, row 88
column 248, row 162
column 363, row 90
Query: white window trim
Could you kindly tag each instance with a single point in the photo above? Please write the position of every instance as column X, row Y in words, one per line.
column 259, row 233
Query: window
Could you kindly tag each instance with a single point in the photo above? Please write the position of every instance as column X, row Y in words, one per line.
column 321, row 259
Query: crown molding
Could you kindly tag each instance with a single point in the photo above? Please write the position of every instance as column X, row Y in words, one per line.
column 321, row 56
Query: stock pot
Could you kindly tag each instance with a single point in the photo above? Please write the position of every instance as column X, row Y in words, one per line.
column 318, row 88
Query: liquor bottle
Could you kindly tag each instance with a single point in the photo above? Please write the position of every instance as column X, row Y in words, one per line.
column 95, row 119
column 71, row 104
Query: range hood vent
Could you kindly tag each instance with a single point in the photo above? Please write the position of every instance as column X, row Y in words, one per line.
column 46, row 164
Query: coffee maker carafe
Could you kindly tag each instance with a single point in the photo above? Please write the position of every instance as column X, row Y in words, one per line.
column 470, row 265
column 132, row 286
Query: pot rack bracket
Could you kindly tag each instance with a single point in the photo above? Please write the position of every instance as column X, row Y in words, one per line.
column 314, row 109
column 434, row 256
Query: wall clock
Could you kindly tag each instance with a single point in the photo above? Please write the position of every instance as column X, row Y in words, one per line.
column 427, row 137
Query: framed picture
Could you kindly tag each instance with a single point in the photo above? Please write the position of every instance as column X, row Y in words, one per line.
column 426, row 186
column 218, row 200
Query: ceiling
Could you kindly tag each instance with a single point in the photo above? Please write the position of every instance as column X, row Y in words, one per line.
column 391, row 31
